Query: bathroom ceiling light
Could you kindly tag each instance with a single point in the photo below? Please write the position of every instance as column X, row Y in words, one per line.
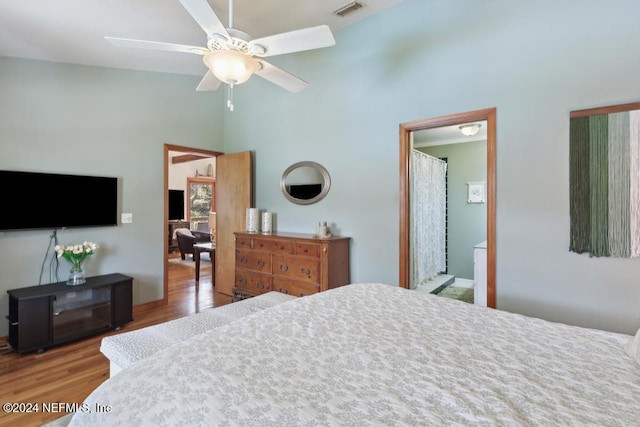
column 469, row 130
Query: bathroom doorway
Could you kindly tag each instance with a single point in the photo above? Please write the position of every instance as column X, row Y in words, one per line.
column 408, row 132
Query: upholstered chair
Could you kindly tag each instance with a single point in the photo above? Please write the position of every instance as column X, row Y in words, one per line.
column 186, row 239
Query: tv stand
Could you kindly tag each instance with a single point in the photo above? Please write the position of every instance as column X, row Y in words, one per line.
column 48, row 315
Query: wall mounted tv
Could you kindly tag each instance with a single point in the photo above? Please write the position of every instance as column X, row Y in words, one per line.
column 176, row 205
column 32, row 200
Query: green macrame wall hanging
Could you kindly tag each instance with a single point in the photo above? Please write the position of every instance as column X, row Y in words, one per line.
column 604, row 169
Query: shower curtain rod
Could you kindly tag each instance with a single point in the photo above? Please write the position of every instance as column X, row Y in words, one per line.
column 428, row 155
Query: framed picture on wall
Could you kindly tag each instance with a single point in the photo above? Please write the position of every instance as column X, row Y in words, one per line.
column 475, row 192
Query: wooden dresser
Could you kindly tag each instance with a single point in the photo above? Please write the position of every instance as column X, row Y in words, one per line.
column 295, row 264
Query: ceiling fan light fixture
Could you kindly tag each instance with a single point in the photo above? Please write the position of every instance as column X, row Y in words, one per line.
column 470, row 130
column 231, row 66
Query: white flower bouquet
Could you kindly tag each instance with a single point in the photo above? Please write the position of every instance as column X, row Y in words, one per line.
column 76, row 254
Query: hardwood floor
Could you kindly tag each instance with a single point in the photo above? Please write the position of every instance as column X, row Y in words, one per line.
column 68, row 373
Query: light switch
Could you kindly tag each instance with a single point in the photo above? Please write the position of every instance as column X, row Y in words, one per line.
column 127, row 218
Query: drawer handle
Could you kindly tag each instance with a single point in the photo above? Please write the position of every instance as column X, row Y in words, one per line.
column 259, row 285
column 242, row 281
column 305, row 250
column 301, row 294
column 243, row 260
column 284, row 267
column 260, row 263
column 284, row 291
column 305, row 272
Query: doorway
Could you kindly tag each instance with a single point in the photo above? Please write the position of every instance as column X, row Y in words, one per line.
column 202, row 175
column 407, row 131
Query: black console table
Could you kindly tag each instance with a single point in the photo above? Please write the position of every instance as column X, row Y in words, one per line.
column 47, row 315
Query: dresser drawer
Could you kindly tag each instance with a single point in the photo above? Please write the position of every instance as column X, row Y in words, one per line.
column 308, row 249
column 253, row 260
column 297, row 268
column 296, row 289
column 274, row 246
column 253, row 283
column 243, row 242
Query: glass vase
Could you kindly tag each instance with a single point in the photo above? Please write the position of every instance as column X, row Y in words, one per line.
column 76, row 277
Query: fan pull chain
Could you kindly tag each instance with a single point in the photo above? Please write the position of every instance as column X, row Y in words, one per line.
column 230, row 97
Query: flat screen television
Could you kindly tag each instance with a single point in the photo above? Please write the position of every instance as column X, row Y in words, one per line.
column 33, row 200
column 176, row 205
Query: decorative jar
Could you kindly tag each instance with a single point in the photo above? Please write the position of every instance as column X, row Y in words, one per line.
column 76, row 276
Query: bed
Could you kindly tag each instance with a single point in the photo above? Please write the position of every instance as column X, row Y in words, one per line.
column 374, row 354
column 125, row 349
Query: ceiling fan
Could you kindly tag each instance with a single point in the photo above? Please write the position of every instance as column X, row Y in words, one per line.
column 232, row 56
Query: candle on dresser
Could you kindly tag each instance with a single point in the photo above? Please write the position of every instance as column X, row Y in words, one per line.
column 267, row 222
column 253, row 220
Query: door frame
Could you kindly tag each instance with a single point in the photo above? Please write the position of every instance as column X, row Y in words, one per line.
column 488, row 114
column 165, row 234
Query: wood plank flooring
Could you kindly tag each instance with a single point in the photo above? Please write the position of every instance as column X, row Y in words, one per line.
column 69, row 373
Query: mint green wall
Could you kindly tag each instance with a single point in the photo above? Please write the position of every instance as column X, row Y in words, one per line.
column 466, row 162
column 98, row 121
column 534, row 61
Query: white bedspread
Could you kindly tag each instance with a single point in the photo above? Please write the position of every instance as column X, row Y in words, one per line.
column 125, row 349
column 379, row 355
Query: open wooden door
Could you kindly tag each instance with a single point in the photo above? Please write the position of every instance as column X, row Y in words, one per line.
column 234, row 194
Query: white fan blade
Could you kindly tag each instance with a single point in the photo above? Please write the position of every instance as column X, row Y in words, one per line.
column 205, row 16
column 208, row 82
column 281, row 78
column 143, row 44
column 293, row 41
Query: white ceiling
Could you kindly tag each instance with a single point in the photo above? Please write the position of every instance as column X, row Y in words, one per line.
column 72, row 31
column 447, row 135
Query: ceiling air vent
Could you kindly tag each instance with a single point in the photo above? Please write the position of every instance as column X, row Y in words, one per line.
column 348, row 8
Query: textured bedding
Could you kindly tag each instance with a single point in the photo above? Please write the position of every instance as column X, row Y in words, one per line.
column 125, row 349
column 371, row 354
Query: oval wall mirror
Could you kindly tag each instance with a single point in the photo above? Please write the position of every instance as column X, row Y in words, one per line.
column 305, row 183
